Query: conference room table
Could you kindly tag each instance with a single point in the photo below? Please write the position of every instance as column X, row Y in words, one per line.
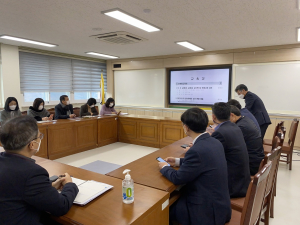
column 145, row 171
column 150, row 206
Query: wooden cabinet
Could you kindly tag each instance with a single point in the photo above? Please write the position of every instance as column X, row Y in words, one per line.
column 170, row 132
column 107, row 131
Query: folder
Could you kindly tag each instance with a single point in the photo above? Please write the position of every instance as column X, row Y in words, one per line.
column 89, row 190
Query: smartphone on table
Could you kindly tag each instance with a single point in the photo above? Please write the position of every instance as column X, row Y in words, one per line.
column 184, row 146
column 161, row 160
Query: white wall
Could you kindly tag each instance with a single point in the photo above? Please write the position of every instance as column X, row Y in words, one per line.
column 10, row 73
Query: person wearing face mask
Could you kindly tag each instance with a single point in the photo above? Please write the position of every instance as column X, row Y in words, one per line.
column 26, row 191
column 89, row 108
column 252, row 138
column 11, row 110
column 108, row 107
column 64, row 109
column 256, row 106
column 205, row 197
column 38, row 111
column 232, row 139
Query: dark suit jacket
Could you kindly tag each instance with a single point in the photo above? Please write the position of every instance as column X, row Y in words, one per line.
column 25, row 191
column 205, row 199
column 253, row 140
column 61, row 113
column 246, row 112
column 84, row 110
column 231, row 137
column 256, row 106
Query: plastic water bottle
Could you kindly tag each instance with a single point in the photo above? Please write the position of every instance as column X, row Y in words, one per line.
column 127, row 188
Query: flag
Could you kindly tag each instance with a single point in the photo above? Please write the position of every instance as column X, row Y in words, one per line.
column 102, row 90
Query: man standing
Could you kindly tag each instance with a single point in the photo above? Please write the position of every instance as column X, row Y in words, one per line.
column 205, row 197
column 256, row 106
column 252, row 138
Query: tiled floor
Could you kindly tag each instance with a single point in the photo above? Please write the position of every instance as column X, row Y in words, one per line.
column 287, row 201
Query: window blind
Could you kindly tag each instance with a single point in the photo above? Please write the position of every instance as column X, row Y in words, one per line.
column 87, row 75
column 43, row 73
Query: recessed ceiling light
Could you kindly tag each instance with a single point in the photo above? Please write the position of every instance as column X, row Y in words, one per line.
column 189, row 45
column 27, row 41
column 127, row 18
column 102, row 55
column 298, row 34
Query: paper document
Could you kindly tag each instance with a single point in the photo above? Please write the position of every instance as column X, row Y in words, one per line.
column 89, row 190
column 111, row 114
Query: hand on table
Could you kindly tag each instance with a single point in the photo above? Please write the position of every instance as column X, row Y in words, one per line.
column 72, row 115
column 45, row 118
column 170, row 160
column 51, row 117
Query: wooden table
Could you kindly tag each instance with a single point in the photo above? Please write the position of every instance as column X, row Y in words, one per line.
column 69, row 136
column 145, row 170
column 109, row 209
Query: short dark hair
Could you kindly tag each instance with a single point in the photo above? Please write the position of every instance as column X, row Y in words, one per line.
column 221, row 110
column 241, row 87
column 18, row 132
column 91, row 101
column 235, row 103
column 196, row 119
column 62, row 98
column 108, row 101
column 9, row 100
column 235, row 110
column 37, row 103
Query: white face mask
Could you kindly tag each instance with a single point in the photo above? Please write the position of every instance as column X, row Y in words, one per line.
column 111, row 104
column 38, row 149
column 241, row 96
column 12, row 107
column 41, row 107
column 68, row 102
column 92, row 106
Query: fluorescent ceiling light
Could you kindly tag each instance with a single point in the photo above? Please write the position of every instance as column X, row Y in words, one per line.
column 298, row 34
column 189, row 45
column 27, row 41
column 102, row 55
column 127, row 18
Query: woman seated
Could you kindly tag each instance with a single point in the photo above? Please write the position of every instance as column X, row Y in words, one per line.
column 38, row 111
column 108, row 107
column 89, row 108
column 11, row 110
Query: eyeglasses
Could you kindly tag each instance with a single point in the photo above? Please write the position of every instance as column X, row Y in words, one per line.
column 40, row 137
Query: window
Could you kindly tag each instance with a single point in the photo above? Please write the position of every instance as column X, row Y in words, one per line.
column 30, row 96
column 49, row 77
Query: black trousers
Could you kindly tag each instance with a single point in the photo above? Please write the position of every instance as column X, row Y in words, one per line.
column 263, row 129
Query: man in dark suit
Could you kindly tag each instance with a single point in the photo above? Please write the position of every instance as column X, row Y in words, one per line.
column 25, row 189
column 256, row 106
column 205, row 197
column 64, row 109
column 252, row 139
column 244, row 112
column 231, row 137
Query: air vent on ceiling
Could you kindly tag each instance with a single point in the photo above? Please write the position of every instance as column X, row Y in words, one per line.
column 119, row 37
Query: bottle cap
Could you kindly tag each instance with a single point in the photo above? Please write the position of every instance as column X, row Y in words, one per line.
column 127, row 176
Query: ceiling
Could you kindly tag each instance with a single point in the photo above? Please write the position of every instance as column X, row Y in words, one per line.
column 210, row 24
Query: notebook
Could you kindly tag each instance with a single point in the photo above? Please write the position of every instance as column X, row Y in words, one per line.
column 89, row 190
